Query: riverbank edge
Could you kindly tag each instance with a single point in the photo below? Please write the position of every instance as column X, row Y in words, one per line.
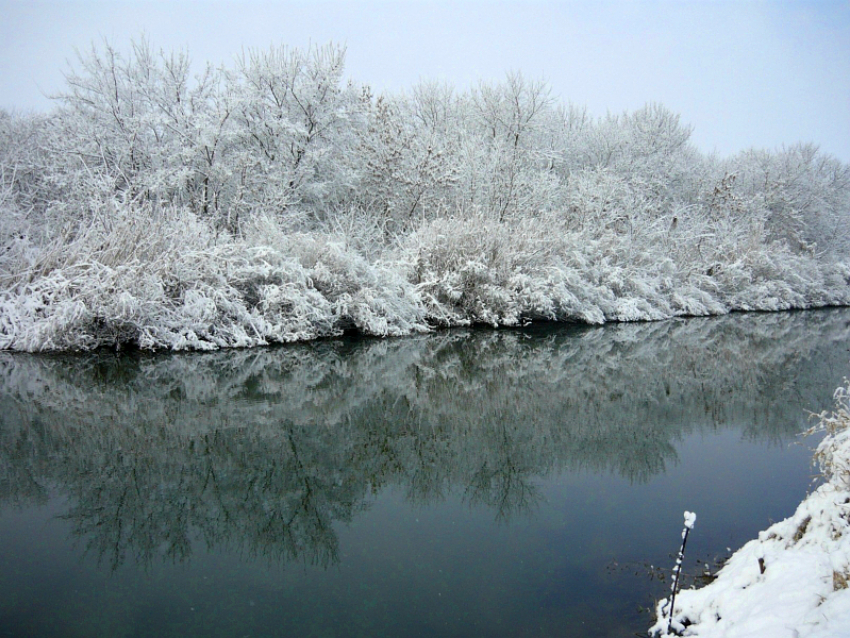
column 794, row 579
column 346, row 328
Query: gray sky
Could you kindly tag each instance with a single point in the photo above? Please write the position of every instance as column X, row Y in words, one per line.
column 743, row 73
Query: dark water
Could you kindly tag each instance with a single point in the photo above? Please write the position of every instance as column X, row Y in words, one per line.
column 472, row 483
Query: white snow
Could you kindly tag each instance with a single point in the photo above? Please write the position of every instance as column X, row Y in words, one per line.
column 690, row 519
column 792, row 581
column 274, row 201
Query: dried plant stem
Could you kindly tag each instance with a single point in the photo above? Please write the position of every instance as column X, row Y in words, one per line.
column 690, row 519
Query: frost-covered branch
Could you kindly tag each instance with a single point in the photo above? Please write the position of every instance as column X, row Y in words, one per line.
column 385, row 214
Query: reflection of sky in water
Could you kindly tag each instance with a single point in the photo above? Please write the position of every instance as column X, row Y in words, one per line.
column 488, row 484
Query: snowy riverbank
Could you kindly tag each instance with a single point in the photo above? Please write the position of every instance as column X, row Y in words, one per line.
column 793, row 580
column 275, row 201
column 169, row 281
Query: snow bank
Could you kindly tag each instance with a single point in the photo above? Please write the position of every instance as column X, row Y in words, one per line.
column 793, row 580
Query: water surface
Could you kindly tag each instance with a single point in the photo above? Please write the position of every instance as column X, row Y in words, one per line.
column 466, row 483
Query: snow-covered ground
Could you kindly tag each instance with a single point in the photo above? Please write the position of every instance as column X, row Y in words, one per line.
column 793, row 580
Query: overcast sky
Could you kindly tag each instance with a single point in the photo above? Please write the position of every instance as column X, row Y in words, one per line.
column 743, row 73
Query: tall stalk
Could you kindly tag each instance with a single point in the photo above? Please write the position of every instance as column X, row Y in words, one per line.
column 690, row 520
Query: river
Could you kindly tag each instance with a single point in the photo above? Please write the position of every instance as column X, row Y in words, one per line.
column 524, row 482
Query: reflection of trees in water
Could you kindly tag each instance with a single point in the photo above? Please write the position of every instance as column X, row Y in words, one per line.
column 263, row 451
column 272, row 497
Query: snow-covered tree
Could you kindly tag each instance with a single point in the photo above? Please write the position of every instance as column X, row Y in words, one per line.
column 270, row 201
column 292, row 114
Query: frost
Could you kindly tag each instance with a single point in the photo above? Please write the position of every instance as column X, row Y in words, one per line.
column 272, row 202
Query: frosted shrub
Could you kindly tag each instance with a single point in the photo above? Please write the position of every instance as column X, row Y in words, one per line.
column 473, row 269
column 476, row 269
column 270, row 203
column 832, row 453
column 167, row 280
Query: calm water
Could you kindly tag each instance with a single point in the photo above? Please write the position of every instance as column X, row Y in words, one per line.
column 467, row 483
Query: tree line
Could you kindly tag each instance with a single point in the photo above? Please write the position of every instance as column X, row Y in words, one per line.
column 273, row 200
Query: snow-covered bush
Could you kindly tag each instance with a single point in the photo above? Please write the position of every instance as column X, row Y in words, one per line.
column 166, row 279
column 833, row 453
column 475, row 269
column 272, row 202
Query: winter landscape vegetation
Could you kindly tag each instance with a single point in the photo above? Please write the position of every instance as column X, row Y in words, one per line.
column 270, row 201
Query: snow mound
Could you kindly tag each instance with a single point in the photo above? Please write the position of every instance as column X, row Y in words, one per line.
column 793, row 580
